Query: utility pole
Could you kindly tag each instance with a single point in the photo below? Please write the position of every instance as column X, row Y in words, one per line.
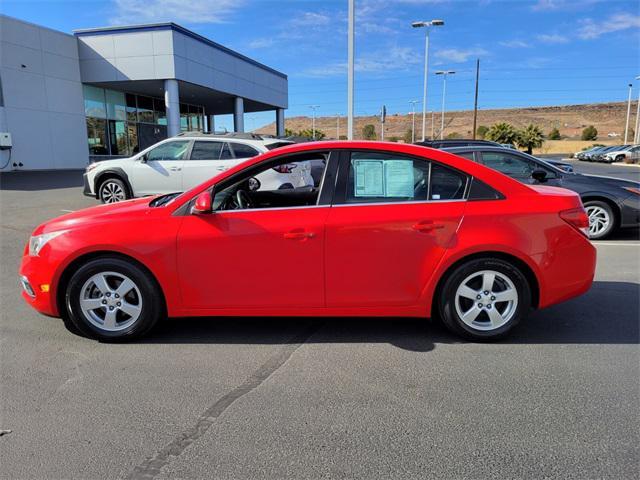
column 444, row 73
column 413, row 120
column 383, row 117
column 475, row 102
column 350, row 70
column 313, row 120
column 433, row 123
column 626, row 127
column 636, row 134
column 427, row 26
column 337, row 126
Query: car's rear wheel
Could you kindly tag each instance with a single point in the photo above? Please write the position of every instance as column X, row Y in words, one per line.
column 483, row 299
column 113, row 299
column 113, row 190
column 619, row 158
column 601, row 219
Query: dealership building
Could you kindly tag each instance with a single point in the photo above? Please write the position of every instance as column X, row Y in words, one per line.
column 110, row 92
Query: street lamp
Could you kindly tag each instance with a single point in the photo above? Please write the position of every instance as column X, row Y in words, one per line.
column 427, row 26
column 413, row 120
column 313, row 120
column 444, row 73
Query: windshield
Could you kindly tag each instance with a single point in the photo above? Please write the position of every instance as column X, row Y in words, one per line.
column 163, row 199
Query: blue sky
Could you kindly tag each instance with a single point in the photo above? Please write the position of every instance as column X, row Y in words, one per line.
column 539, row 52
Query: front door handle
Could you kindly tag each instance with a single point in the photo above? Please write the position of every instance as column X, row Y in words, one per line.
column 175, row 169
column 427, row 226
column 298, row 235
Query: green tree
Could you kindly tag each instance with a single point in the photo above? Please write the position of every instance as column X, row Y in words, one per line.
column 590, row 133
column 502, row 132
column 308, row 133
column 554, row 134
column 530, row 137
column 289, row 133
column 369, row 132
column 481, row 131
column 408, row 136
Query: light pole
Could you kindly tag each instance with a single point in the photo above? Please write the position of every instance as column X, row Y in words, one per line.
column 626, row 127
column 313, row 120
column 427, row 26
column 350, row 69
column 413, row 120
column 636, row 134
column 444, row 73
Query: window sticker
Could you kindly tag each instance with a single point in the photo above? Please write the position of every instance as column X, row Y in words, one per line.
column 383, row 178
column 369, row 178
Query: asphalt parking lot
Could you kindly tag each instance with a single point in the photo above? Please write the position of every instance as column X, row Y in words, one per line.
column 327, row 398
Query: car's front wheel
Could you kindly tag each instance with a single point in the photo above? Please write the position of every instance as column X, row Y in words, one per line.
column 112, row 299
column 113, row 190
column 483, row 299
column 601, row 219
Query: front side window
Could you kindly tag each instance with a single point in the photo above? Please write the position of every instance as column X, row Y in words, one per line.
column 509, row 164
column 168, row 151
column 286, row 183
column 241, row 150
column 206, row 150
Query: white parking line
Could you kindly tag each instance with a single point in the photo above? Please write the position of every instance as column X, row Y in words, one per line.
column 68, row 211
column 618, row 244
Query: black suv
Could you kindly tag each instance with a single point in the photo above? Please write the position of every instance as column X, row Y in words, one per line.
column 610, row 202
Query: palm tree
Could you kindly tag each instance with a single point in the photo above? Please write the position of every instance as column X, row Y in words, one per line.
column 530, row 137
column 502, row 133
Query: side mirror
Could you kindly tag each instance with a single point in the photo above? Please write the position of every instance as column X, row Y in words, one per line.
column 203, row 204
column 539, row 176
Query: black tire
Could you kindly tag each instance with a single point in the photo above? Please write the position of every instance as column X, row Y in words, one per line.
column 109, row 190
column 619, row 158
column 609, row 211
column 447, row 301
column 150, row 301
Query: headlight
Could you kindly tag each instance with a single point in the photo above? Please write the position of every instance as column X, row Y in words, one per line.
column 38, row 241
column 90, row 167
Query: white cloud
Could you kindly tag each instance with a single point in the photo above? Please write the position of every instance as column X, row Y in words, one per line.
column 312, row 19
column 391, row 60
column 515, row 44
column 457, row 55
column 193, row 11
column 261, row 43
column 542, row 5
column 552, row 38
column 590, row 29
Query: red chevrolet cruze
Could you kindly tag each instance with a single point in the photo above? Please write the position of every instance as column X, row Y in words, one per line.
column 384, row 230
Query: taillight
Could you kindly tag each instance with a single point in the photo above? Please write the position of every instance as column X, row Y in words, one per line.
column 577, row 218
column 286, row 168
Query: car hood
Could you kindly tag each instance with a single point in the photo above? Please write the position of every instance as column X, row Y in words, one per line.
column 611, row 181
column 100, row 213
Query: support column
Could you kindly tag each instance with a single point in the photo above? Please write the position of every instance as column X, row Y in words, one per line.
column 238, row 115
column 279, row 122
column 172, row 104
column 211, row 120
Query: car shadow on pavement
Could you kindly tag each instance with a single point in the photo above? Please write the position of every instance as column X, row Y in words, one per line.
column 608, row 314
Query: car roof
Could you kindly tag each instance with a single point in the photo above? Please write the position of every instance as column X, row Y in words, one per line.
column 497, row 180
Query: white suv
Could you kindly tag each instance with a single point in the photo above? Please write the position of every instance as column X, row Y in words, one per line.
column 629, row 152
column 182, row 162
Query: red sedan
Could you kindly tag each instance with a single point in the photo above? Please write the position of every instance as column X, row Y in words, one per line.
column 385, row 230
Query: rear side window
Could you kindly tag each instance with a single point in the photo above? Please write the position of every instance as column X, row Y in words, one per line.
column 467, row 155
column 380, row 177
column 241, row 150
column 206, row 150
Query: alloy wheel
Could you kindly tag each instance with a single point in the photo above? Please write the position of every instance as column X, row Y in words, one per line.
column 111, row 192
column 599, row 220
column 486, row 300
column 110, row 301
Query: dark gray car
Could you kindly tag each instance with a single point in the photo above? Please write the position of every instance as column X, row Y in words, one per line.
column 610, row 202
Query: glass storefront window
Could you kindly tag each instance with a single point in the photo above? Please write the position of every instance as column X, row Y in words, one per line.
column 145, row 109
column 118, row 138
column 116, row 105
column 184, row 117
column 160, row 111
column 97, row 136
column 132, row 133
column 94, row 105
column 132, row 109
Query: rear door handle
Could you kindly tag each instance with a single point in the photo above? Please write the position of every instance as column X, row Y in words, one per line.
column 298, row 235
column 427, row 226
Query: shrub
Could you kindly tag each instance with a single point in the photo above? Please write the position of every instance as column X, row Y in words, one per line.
column 530, row 137
column 590, row 133
column 554, row 134
column 481, row 131
column 369, row 132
